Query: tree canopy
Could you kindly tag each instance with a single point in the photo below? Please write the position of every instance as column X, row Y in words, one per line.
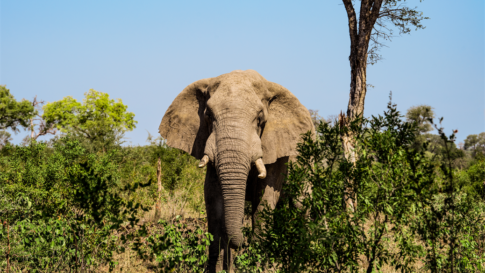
column 14, row 113
column 421, row 115
column 475, row 143
column 5, row 138
column 97, row 118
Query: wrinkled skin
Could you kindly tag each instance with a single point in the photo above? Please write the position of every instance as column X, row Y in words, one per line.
column 244, row 129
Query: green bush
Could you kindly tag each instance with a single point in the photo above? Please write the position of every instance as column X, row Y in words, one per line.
column 60, row 206
column 408, row 213
column 451, row 224
column 472, row 180
column 177, row 246
column 181, row 178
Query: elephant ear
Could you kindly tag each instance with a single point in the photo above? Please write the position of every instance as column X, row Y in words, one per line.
column 183, row 125
column 287, row 120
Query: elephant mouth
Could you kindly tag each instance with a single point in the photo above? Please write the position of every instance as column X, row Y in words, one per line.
column 259, row 165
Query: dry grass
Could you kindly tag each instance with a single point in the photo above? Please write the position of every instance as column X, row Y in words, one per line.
column 187, row 201
column 391, row 246
column 177, row 204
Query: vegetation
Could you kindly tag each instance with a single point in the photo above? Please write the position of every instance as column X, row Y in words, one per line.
column 5, row 138
column 435, row 150
column 413, row 215
column 60, row 206
column 77, row 204
column 39, row 122
column 316, row 118
column 376, row 23
column 12, row 114
column 475, row 144
column 422, row 115
column 82, row 202
column 99, row 119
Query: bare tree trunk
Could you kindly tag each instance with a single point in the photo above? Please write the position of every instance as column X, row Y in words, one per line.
column 360, row 31
column 158, row 205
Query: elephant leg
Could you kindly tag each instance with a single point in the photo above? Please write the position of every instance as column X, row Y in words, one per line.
column 219, row 252
column 307, row 191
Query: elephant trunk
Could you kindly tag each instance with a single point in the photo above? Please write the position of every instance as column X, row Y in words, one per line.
column 233, row 184
column 233, row 165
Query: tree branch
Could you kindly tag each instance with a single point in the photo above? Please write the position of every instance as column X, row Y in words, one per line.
column 369, row 12
column 353, row 30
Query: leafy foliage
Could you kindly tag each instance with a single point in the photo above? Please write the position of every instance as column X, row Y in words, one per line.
column 61, row 206
column 435, row 149
column 39, row 122
column 421, row 114
column 12, row 112
column 406, row 211
column 178, row 246
column 475, row 143
column 98, row 119
column 5, row 138
column 394, row 15
column 182, row 180
column 452, row 226
column 65, row 206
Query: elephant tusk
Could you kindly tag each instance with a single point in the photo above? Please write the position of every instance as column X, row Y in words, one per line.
column 204, row 161
column 261, row 169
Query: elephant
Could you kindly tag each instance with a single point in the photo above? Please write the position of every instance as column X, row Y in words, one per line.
column 244, row 129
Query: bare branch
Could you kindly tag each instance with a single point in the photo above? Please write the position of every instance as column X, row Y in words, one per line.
column 392, row 15
column 43, row 128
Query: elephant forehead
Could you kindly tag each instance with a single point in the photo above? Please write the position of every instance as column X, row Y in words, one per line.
column 234, row 97
column 232, row 104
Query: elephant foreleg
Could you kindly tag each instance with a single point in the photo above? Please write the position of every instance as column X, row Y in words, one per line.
column 267, row 191
column 219, row 251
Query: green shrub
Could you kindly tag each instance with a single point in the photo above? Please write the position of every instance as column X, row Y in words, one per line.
column 475, row 180
column 451, row 224
column 408, row 212
column 177, row 246
column 181, row 178
column 60, row 206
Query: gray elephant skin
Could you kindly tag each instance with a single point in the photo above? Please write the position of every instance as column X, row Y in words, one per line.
column 244, row 129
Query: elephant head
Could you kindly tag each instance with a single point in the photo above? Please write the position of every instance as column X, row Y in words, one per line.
column 234, row 121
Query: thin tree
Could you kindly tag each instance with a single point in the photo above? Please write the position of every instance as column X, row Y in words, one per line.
column 376, row 22
column 43, row 129
column 157, row 153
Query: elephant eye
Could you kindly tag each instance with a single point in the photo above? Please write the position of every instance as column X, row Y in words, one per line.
column 261, row 118
column 208, row 114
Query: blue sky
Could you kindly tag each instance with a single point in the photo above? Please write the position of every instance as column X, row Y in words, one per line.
column 146, row 52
